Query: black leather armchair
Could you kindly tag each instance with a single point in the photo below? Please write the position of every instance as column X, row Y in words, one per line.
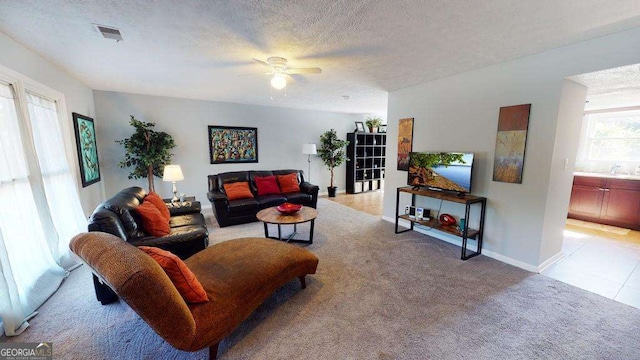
column 242, row 211
column 117, row 216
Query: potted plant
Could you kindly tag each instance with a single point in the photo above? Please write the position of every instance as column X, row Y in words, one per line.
column 373, row 122
column 332, row 153
column 148, row 151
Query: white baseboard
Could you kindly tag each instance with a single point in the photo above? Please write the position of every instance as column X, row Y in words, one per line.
column 552, row 260
column 510, row 261
column 458, row 242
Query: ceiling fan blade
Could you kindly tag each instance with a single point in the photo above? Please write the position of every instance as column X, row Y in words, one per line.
column 261, row 62
column 304, row 70
column 255, row 74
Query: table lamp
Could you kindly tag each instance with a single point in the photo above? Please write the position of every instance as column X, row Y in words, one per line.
column 309, row 149
column 173, row 173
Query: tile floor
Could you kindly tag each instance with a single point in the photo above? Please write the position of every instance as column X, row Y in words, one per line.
column 602, row 259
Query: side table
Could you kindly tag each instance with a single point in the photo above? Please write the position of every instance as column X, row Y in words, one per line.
column 189, row 206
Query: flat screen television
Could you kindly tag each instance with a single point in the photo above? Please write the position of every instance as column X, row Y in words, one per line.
column 448, row 171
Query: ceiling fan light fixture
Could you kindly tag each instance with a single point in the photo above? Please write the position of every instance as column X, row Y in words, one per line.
column 278, row 82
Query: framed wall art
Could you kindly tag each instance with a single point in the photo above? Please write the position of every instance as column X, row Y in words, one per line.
column 232, row 144
column 405, row 142
column 511, row 141
column 87, row 149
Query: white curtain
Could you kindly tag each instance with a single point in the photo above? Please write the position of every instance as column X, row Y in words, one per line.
column 41, row 214
column 62, row 197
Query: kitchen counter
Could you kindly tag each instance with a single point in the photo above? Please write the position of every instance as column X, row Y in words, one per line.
column 609, row 176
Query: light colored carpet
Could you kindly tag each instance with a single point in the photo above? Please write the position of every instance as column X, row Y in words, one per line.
column 376, row 295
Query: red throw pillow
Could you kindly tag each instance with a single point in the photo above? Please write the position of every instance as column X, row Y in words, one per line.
column 157, row 201
column 152, row 220
column 181, row 276
column 288, row 183
column 267, row 185
column 238, row 190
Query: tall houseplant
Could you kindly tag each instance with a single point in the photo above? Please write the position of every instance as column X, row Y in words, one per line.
column 332, row 153
column 147, row 151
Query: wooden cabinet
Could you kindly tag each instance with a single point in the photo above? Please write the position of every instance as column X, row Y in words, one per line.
column 366, row 164
column 621, row 202
column 610, row 201
column 586, row 197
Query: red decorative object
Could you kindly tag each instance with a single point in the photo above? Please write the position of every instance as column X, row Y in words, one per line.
column 289, row 208
column 447, row 219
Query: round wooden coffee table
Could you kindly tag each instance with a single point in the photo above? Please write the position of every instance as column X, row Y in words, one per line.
column 273, row 216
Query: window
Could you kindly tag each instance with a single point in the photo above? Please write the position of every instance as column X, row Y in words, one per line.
column 45, row 211
column 611, row 137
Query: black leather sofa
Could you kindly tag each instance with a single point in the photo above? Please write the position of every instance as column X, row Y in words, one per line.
column 242, row 211
column 117, row 216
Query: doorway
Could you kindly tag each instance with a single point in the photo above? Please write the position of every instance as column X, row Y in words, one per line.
column 598, row 257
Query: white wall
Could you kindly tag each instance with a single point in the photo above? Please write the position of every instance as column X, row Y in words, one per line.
column 78, row 98
column 281, row 133
column 461, row 113
column 572, row 101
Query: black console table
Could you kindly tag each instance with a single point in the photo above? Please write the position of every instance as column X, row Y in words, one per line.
column 465, row 233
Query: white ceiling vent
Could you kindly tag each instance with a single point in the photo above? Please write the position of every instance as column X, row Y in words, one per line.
column 109, row 33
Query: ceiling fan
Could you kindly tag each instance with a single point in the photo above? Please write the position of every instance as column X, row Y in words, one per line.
column 279, row 69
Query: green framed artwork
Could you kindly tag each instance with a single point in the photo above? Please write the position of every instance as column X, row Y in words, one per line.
column 87, row 149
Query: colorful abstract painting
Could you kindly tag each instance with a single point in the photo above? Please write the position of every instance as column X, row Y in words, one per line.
column 87, row 149
column 511, row 141
column 230, row 144
column 405, row 142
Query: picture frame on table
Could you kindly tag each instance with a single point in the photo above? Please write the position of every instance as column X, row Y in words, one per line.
column 359, row 126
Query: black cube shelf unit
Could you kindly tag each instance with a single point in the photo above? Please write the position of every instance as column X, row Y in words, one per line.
column 366, row 165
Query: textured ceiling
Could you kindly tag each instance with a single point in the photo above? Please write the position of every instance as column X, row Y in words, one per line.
column 612, row 88
column 200, row 49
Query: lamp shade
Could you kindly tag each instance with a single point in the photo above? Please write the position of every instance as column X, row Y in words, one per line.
column 309, row 149
column 278, row 82
column 172, row 173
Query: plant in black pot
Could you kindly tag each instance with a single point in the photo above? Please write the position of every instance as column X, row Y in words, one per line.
column 332, row 153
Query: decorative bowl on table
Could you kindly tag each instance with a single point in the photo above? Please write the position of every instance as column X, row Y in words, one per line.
column 288, row 208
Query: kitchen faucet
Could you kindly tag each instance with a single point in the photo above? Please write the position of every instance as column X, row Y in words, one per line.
column 614, row 169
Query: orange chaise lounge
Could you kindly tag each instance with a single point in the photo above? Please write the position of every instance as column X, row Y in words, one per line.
column 237, row 275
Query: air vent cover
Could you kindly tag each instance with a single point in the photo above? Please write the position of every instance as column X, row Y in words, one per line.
column 109, row 33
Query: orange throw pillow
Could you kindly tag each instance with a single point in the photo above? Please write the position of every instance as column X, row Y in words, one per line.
column 181, row 276
column 153, row 222
column 157, row 201
column 288, row 183
column 238, row 190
